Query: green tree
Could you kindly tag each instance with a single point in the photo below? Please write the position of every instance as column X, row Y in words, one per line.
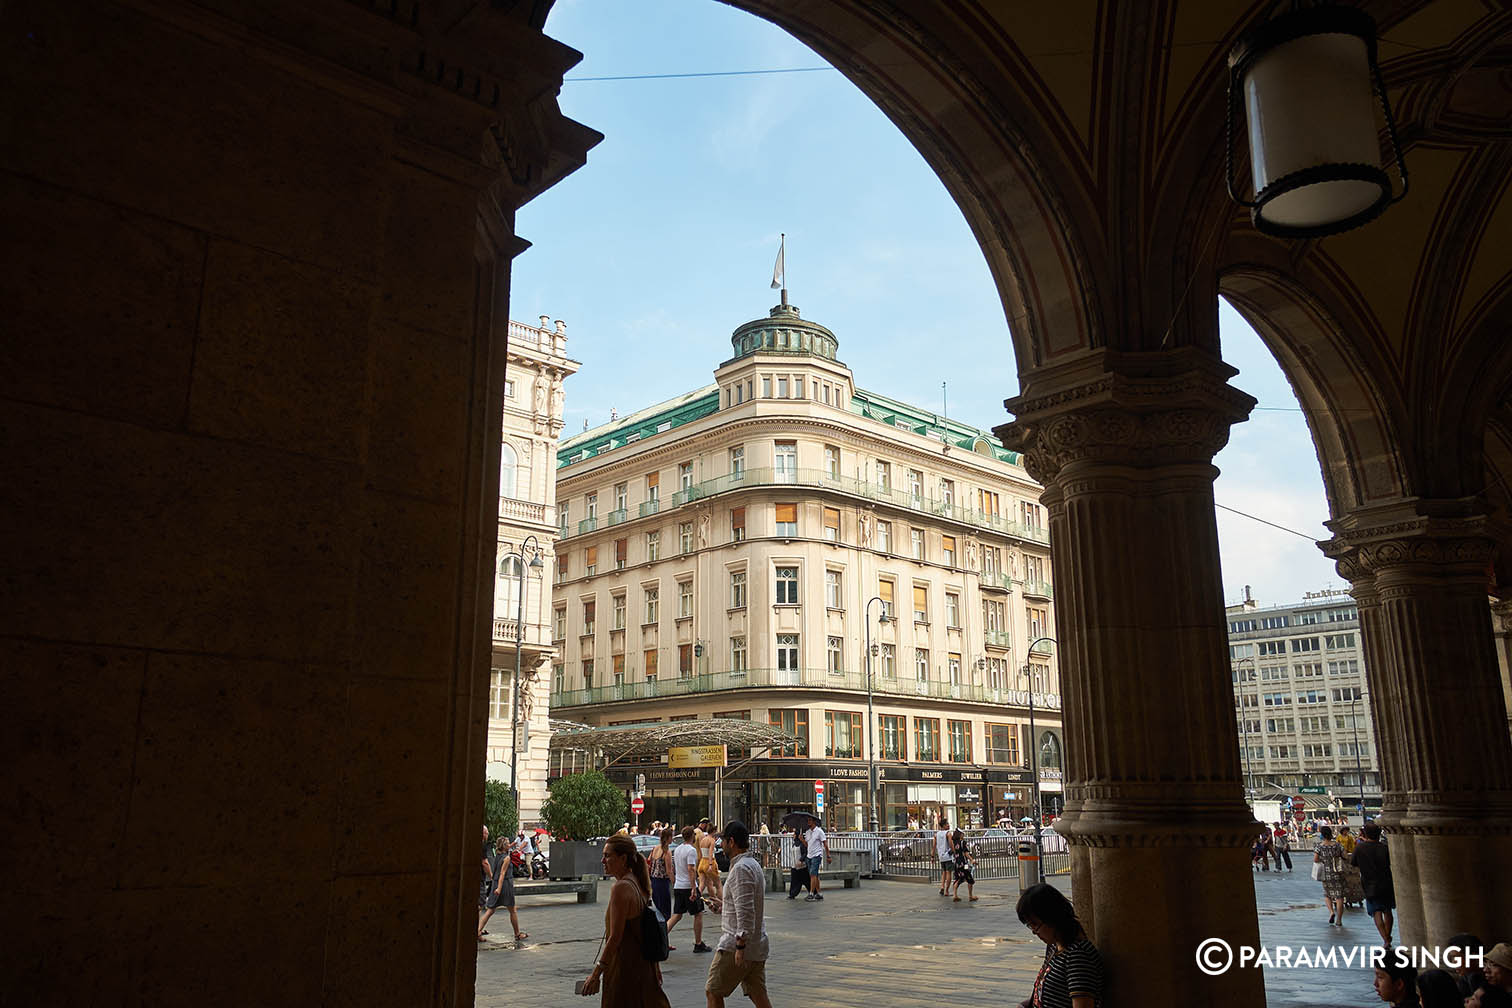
column 499, row 812
column 584, row 805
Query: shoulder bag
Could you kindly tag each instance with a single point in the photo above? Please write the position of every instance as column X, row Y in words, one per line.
column 653, row 926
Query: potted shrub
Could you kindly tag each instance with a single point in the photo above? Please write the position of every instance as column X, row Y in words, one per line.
column 582, row 808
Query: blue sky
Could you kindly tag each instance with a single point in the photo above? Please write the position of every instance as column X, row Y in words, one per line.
column 664, row 243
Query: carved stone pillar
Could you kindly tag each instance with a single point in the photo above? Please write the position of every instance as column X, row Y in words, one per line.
column 1154, row 800
column 1420, row 572
column 1501, row 626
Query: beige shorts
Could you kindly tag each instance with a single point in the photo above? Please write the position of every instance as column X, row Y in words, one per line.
column 725, row 976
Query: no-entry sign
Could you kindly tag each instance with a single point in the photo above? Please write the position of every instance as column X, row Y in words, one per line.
column 637, row 806
column 818, row 787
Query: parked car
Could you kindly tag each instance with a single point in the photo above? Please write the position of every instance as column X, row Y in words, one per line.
column 908, row 845
column 646, row 842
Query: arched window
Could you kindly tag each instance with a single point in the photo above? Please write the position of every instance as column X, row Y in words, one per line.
column 507, row 463
column 1050, row 750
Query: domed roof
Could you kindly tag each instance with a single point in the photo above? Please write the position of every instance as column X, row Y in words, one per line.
column 784, row 332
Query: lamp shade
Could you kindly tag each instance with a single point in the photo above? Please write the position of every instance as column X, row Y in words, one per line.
column 1308, row 81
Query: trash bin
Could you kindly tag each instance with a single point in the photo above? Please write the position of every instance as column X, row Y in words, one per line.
column 1028, row 864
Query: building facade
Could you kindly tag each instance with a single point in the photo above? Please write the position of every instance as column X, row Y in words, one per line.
column 731, row 552
column 1301, row 701
column 533, row 397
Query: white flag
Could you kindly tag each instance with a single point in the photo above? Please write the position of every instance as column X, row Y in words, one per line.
column 777, row 270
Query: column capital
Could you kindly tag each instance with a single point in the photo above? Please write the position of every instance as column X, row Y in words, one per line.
column 1411, row 535
column 1141, row 410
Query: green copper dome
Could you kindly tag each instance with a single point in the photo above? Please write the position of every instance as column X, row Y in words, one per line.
column 783, row 332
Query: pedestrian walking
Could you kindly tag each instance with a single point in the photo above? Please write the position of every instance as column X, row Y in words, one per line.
column 708, row 863
column 817, row 845
column 486, row 881
column 502, row 893
column 1281, row 836
column 1373, row 862
column 685, row 892
column 1328, row 868
column 942, row 851
column 660, row 863
column 1072, row 973
column 961, row 851
column 798, row 880
column 741, row 956
column 1396, row 983
column 629, row 979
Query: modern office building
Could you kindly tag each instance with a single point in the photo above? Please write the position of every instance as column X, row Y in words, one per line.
column 1301, row 701
column 729, row 553
column 538, row 365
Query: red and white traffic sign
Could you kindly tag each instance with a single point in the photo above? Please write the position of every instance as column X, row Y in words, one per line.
column 818, row 787
column 637, row 806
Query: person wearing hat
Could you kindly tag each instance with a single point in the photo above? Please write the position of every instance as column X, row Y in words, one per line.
column 1499, row 966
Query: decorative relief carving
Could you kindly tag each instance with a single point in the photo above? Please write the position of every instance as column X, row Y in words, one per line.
column 1112, row 433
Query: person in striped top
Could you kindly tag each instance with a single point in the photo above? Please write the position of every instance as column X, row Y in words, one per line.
column 1072, row 973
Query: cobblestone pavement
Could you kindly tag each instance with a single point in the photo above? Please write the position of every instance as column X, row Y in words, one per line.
column 892, row 944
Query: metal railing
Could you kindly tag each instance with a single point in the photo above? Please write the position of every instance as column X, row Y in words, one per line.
column 908, row 854
column 710, row 682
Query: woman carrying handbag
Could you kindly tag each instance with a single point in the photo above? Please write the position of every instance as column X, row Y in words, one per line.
column 629, row 979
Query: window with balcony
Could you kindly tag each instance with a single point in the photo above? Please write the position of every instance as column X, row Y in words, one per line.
column 842, row 734
column 831, row 524
column 737, row 524
column 832, row 461
column 587, row 673
column 992, row 561
column 921, row 664
column 916, row 543
column 947, row 494
column 889, row 661
column 921, row 603
column 619, row 611
column 590, row 561
column 590, row 607
column 948, row 550
column 653, row 604
column 738, row 655
column 885, row 593
column 737, row 589
column 787, row 586
column 785, row 461
column 997, row 673
column 835, row 659
column 621, row 553
column 884, row 475
column 793, row 721
column 649, row 658
column 684, row 599
column 591, row 504
column 653, row 547
column 834, row 590
column 564, row 510
column 959, row 733
column 1003, row 745
column 890, row 737
column 1032, row 516
column 559, row 623
column 927, row 739
column 953, row 669
column 737, row 462
column 1039, row 622
column 884, row 536
column 989, row 503
column 621, row 496
column 559, row 678
column 994, row 616
column 617, row 666
column 785, row 518
column 1039, row 677
column 685, row 661
column 1034, row 569
column 685, row 537
column 653, row 493
column 953, row 610
column 787, row 656
column 685, row 476
column 916, row 487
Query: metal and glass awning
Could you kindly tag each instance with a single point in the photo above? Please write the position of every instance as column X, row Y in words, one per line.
column 654, row 738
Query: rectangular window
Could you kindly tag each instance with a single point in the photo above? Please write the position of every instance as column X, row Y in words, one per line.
column 737, row 589
column 953, row 669
column 766, row 386
column 558, row 678
column 889, row 661
column 685, row 476
column 842, row 734
column 921, row 664
column 992, row 560
column 1039, row 622
column 653, row 546
column 684, row 599
column 798, row 384
column 960, row 741
column 787, row 657
column 831, row 524
column 884, row 475
column 835, row 660
column 589, row 610
column 559, row 624
column 832, row 461
column 787, row 586
column 592, row 502
column 994, row 616
column 587, row 673
column 738, row 655
column 793, row 721
column 915, row 487
column 590, row 560
column 621, row 553
column 833, row 592
column 1271, row 648
column 685, row 537
column 1034, row 569
column 1336, row 641
column 785, row 461
column 885, row 592
column 653, row 490
column 890, row 737
column 927, row 739
column 649, row 658
column 737, row 462
column 782, row 387
column 617, row 666
column 948, row 550
column 786, row 518
column 653, row 605
column 952, row 610
column 509, row 389
column 1302, row 645
column 685, row 661
column 498, row 695
column 997, row 673
column 921, row 603
column 1033, row 516
column 989, row 503
column 737, row 524
column 621, row 496
column 947, row 494
column 916, row 543
column 619, row 612
column 884, row 536
column 563, row 508
column 1003, row 744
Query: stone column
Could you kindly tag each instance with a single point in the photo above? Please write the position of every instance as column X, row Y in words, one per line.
column 1501, row 625
column 1420, row 571
column 1154, row 797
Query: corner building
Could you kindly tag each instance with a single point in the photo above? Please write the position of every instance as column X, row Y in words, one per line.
column 720, row 555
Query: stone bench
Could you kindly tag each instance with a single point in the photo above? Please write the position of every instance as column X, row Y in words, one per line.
column 850, row 878
column 586, row 889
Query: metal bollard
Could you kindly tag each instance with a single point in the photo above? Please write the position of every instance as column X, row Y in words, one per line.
column 1028, row 864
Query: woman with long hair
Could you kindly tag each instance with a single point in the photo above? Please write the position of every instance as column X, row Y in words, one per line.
column 1072, row 973
column 1329, row 857
column 660, row 861
column 628, row 978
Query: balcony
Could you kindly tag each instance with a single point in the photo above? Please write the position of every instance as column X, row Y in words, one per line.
column 536, row 634
column 996, row 581
column 998, row 638
column 1038, row 589
column 822, row 479
column 617, row 517
column 815, row 678
column 522, row 510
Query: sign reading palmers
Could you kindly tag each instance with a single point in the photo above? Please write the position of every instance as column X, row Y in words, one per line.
column 696, row 756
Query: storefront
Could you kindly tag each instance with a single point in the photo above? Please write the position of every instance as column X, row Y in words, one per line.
column 671, row 796
column 1010, row 796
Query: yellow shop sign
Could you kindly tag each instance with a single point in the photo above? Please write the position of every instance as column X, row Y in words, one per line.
column 696, row 756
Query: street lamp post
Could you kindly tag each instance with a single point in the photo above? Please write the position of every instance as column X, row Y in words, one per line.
column 1249, row 776
column 871, row 721
column 1034, row 746
column 514, row 705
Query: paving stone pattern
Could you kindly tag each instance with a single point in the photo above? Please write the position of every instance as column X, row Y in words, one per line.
column 892, row 944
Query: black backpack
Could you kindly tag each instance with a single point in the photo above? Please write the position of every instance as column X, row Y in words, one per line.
column 653, row 934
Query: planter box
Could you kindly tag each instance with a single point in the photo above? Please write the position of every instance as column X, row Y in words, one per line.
column 572, row 859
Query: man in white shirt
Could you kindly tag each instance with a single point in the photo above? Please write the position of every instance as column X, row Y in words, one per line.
column 817, row 845
column 685, row 888
column 741, row 956
column 947, row 859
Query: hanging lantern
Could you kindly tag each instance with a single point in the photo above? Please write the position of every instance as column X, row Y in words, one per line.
column 1309, row 81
